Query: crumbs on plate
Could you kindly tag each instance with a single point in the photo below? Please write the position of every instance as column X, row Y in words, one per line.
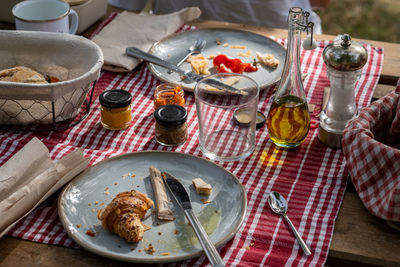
column 247, row 54
column 205, row 201
column 150, row 249
column 237, row 46
column 90, row 233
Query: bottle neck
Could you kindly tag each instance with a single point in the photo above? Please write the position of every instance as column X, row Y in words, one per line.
column 291, row 81
column 293, row 47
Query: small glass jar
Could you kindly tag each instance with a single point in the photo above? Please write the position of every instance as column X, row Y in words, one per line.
column 115, row 109
column 167, row 93
column 171, row 126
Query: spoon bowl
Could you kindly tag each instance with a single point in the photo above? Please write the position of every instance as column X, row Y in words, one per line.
column 279, row 205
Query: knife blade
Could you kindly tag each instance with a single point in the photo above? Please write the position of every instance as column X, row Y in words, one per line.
column 181, row 196
column 137, row 53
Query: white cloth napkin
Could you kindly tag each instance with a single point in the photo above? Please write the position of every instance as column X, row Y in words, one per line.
column 31, row 176
column 140, row 30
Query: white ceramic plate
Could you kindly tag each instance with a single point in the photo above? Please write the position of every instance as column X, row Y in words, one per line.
column 223, row 216
column 174, row 48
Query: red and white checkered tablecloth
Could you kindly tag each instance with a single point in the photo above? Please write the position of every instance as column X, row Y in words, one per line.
column 312, row 177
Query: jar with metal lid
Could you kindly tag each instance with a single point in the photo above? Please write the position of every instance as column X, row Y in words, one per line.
column 344, row 60
column 171, row 126
column 115, row 109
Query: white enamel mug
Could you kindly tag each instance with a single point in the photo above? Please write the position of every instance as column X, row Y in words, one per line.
column 45, row 15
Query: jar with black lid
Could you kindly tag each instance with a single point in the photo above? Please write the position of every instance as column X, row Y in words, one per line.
column 171, row 126
column 115, row 109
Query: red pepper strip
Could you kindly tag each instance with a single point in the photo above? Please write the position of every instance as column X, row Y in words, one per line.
column 222, row 68
column 314, row 124
column 250, row 68
column 223, row 63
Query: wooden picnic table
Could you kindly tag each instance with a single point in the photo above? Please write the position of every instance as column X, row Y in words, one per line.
column 359, row 238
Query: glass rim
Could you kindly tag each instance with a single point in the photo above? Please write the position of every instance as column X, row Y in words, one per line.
column 222, row 93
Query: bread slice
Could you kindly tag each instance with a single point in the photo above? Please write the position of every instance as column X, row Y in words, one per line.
column 202, row 187
column 22, row 74
column 199, row 64
column 268, row 60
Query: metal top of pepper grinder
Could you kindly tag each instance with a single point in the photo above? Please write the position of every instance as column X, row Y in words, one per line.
column 344, row 54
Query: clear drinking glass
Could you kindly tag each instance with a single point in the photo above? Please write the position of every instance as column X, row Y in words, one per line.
column 227, row 121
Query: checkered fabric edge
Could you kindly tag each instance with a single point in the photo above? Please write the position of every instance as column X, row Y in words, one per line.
column 371, row 147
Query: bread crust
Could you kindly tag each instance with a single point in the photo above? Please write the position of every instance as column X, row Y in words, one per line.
column 22, row 74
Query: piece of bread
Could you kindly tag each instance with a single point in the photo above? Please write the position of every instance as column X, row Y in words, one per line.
column 22, row 74
column 199, row 64
column 124, row 214
column 268, row 60
column 163, row 210
column 202, row 187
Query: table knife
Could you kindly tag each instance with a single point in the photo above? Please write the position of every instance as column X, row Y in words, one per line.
column 181, row 196
column 137, row 53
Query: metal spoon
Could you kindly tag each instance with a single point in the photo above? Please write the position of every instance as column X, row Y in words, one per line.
column 279, row 205
column 196, row 48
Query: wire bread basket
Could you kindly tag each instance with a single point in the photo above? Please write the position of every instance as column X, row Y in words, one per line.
column 74, row 60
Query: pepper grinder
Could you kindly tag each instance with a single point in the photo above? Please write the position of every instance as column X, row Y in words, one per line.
column 344, row 60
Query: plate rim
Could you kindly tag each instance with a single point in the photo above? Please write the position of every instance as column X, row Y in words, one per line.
column 105, row 253
column 152, row 67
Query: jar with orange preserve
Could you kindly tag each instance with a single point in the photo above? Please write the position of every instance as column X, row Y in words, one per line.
column 115, row 109
column 167, row 93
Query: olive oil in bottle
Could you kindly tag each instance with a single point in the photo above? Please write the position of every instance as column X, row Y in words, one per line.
column 289, row 121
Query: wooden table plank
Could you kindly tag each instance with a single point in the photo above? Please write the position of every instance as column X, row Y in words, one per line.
column 361, row 237
column 16, row 253
column 382, row 90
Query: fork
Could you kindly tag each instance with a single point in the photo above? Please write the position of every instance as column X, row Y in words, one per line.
column 196, row 48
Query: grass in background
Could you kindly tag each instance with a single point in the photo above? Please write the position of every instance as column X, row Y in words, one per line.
column 366, row 19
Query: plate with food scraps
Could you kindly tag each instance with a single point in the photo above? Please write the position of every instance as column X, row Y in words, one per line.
column 221, row 213
column 239, row 44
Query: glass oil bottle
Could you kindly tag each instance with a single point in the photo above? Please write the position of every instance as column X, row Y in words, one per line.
column 288, row 120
